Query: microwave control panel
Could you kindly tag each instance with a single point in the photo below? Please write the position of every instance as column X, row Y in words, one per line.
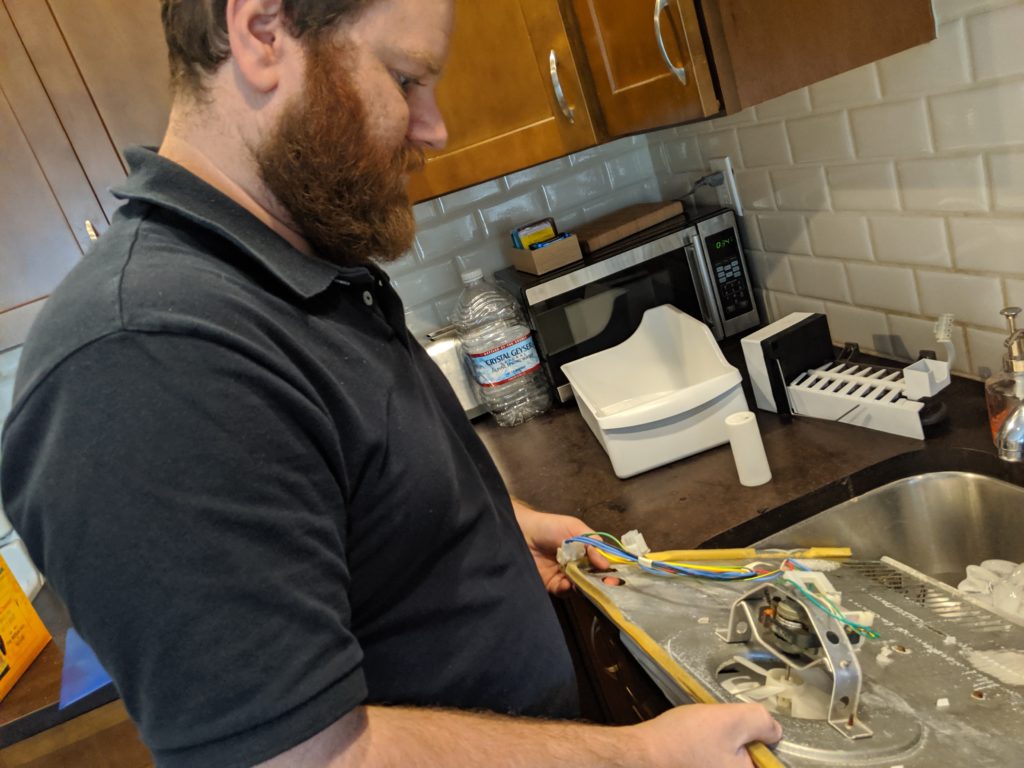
column 728, row 274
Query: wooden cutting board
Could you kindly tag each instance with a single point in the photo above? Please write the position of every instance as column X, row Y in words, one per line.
column 622, row 223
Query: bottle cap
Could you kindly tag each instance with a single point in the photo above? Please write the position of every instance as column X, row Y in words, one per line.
column 472, row 275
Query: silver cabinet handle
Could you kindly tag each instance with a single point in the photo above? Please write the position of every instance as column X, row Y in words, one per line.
column 659, row 7
column 90, row 230
column 559, row 93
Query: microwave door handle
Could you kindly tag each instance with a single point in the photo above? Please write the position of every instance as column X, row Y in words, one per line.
column 702, row 284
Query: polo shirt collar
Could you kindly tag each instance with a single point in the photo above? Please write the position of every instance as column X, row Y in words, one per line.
column 164, row 183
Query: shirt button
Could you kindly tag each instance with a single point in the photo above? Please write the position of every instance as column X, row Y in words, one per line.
column 367, row 298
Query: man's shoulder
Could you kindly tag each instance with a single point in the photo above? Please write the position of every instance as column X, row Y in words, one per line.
column 152, row 272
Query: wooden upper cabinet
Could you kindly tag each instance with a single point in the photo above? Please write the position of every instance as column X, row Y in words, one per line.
column 765, row 49
column 45, row 200
column 511, row 95
column 105, row 70
column 647, row 61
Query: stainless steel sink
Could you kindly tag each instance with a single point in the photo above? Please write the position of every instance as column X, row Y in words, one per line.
column 937, row 522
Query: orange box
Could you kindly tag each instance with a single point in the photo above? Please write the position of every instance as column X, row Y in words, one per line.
column 22, row 633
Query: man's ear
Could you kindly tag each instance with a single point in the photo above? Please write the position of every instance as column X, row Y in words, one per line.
column 258, row 37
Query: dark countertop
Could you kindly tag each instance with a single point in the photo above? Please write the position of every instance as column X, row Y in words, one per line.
column 554, row 463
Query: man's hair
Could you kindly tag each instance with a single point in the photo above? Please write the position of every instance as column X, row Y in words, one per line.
column 197, row 34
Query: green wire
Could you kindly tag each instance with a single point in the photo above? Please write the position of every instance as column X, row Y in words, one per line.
column 832, row 611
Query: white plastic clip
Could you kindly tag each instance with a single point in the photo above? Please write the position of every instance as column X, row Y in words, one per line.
column 570, row 552
column 634, row 543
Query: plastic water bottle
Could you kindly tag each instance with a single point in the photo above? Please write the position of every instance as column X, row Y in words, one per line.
column 500, row 352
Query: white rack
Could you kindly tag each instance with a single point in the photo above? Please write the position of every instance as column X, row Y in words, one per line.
column 867, row 395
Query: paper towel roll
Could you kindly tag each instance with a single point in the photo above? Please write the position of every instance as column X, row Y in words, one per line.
column 747, row 448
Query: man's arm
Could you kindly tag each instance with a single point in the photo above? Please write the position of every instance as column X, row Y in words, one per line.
column 697, row 736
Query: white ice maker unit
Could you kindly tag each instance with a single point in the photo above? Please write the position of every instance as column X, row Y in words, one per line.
column 794, row 370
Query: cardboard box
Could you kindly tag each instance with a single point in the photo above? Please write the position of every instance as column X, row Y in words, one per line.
column 22, row 633
column 550, row 257
column 625, row 222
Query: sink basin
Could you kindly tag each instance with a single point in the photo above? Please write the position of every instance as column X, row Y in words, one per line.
column 938, row 523
column 936, row 511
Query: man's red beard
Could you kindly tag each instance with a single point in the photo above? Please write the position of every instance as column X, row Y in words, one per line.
column 344, row 191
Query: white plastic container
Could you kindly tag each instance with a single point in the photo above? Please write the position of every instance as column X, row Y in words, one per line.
column 661, row 395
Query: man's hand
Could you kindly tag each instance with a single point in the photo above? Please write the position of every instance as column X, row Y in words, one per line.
column 707, row 735
column 544, row 534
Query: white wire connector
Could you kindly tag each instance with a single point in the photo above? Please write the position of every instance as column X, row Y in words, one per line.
column 633, row 542
column 570, row 552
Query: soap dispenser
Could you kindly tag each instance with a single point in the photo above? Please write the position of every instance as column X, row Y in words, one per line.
column 1004, row 390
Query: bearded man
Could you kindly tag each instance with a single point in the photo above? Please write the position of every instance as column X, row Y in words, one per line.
column 258, row 497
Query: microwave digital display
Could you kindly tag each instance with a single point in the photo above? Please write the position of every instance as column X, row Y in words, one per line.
column 727, row 268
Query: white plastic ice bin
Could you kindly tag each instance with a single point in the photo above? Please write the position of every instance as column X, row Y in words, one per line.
column 659, row 396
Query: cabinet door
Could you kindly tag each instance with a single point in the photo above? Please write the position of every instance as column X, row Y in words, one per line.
column 499, row 95
column 762, row 50
column 647, row 61
column 46, row 199
column 105, row 70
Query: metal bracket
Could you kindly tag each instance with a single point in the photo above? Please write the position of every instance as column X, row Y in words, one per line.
column 748, row 622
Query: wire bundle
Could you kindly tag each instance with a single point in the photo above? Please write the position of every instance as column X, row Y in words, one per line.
column 613, row 548
column 618, row 553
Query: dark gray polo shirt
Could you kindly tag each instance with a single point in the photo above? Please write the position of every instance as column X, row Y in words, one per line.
column 259, row 498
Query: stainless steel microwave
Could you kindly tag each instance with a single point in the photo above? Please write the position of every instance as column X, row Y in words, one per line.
column 693, row 262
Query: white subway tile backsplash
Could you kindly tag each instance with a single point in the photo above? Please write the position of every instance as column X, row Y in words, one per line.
column 891, row 130
column 970, row 297
column 800, row 189
column 535, row 173
column 943, row 184
column 911, row 240
column 408, row 262
column 858, row 86
column 1014, row 292
column 840, row 236
column 572, row 191
column 764, row 145
column 425, row 284
column 755, row 190
column 865, row 327
column 456, row 201
column 988, row 245
column 771, row 271
column 750, row 234
column 873, row 285
column 440, row 240
column 720, row 144
column 821, row 278
column 935, row 66
column 995, row 39
column 489, row 257
column 947, row 10
column 501, row 217
column 784, row 233
column 630, row 168
column 912, row 335
column 793, row 103
column 863, row 187
column 822, row 137
column 787, row 303
column 426, row 212
column 682, row 154
column 1006, row 176
column 987, row 351
column 981, row 117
